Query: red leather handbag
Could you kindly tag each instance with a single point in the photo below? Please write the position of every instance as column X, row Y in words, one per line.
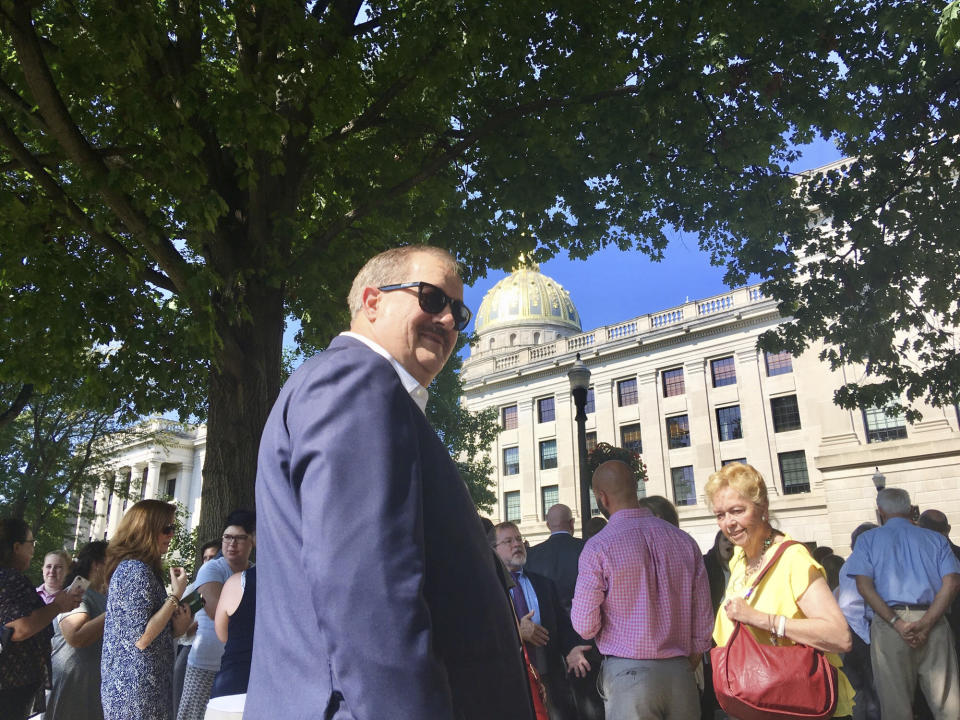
column 769, row 682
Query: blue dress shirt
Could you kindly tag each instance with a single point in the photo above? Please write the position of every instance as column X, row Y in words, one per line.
column 906, row 563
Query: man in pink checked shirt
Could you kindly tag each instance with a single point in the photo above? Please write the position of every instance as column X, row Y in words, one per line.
column 642, row 592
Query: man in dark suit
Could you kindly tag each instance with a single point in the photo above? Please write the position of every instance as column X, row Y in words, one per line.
column 552, row 644
column 557, row 556
column 378, row 596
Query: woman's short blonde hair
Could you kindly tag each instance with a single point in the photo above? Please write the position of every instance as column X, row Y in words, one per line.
column 741, row 477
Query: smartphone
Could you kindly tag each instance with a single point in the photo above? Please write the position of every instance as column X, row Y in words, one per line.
column 194, row 601
column 79, row 582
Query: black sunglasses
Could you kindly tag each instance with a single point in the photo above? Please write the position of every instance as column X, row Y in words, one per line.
column 433, row 300
column 168, row 529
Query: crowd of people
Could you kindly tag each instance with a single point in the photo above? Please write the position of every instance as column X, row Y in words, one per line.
column 391, row 598
column 103, row 649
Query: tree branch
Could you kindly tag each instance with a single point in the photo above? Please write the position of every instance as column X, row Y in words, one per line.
column 17, row 406
column 68, row 136
column 493, row 124
column 74, row 213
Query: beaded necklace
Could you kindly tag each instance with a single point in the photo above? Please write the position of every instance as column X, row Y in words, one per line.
column 754, row 565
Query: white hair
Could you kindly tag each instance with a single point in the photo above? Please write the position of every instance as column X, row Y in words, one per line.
column 894, row 501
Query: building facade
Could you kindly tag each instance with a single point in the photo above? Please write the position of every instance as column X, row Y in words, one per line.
column 688, row 388
column 163, row 460
column 685, row 386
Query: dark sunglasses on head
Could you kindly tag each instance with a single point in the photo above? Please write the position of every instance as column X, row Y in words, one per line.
column 433, row 300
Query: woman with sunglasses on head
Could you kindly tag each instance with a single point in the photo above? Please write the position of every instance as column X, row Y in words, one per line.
column 203, row 663
column 142, row 619
column 26, row 621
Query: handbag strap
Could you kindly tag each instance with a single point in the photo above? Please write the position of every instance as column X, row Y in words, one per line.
column 773, row 561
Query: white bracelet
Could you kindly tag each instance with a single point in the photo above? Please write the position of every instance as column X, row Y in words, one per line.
column 782, row 626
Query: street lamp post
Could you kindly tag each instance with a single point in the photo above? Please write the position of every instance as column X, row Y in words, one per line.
column 579, row 376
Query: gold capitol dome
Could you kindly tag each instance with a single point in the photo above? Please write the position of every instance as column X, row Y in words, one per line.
column 526, row 297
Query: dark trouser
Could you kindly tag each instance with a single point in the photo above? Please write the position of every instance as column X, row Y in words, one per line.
column 559, row 698
column 588, row 700
column 16, row 703
column 859, row 671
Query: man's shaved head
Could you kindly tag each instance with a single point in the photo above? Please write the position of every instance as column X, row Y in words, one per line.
column 616, row 482
column 559, row 517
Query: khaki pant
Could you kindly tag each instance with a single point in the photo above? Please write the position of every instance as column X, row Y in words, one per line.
column 897, row 667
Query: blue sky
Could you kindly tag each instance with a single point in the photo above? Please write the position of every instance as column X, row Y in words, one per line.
column 611, row 286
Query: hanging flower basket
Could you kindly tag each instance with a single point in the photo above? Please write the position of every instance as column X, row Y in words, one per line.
column 605, row 451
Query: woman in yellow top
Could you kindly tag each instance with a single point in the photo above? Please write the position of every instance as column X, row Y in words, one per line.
column 793, row 600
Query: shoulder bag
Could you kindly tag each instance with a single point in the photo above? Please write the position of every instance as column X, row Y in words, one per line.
column 769, row 682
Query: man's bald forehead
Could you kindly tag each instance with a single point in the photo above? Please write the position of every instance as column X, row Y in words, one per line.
column 614, row 476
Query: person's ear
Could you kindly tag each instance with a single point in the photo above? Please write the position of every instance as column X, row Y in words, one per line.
column 370, row 303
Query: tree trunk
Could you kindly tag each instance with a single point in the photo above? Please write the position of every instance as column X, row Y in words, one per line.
column 242, row 388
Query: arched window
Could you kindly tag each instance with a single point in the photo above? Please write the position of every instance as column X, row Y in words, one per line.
column 513, row 339
column 536, row 338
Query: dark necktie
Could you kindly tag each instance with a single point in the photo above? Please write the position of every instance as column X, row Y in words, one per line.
column 516, row 592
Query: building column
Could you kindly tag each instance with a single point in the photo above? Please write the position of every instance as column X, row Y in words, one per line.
column 184, row 481
column 153, row 478
column 116, row 502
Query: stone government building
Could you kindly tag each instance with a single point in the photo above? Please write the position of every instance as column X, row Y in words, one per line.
column 688, row 389
column 685, row 386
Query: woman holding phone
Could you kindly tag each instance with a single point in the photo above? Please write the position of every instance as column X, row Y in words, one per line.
column 141, row 619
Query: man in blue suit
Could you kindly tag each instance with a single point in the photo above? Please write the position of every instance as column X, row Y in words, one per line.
column 378, row 597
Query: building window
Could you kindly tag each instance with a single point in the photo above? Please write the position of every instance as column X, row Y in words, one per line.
column 627, row 392
column 171, row 487
column 630, row 438
column 742, row 461
column 508, row 417
column 786, row 413
column 793, row 471
column 673, row 382
column 511, row 506
column 678, row 432
column 883, row 426
column 684, row 490
column 548, row 454
column 511, row 461
column 724, row 371
column 546, row 411
column 590, row 406
column 550, row 496
column 591, row 441
column 728, row 423
column 779, row 363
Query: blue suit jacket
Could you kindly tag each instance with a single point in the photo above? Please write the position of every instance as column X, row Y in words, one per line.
column 378, row 597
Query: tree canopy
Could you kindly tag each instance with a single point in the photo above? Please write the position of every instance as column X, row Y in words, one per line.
column 177, row 179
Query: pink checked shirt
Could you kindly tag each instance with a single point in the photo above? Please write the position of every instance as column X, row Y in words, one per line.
column 642, row 590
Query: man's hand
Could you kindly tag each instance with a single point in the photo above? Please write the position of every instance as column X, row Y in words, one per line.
column 695, row 659
column 532, row 633
column 913, row 633
column 577, row 662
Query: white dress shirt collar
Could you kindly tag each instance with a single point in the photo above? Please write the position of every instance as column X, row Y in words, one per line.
column 417, row 391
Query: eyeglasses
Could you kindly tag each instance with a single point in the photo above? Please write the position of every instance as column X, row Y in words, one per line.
column 227, row 539
column 168, row 529
column 433, row 300
column 518, row 540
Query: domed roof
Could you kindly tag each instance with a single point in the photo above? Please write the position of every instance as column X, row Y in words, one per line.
column 527, row 297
